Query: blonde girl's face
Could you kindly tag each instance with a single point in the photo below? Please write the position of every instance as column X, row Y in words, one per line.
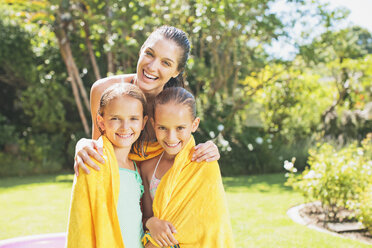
column 122, row 121
column 157, row 63
column 173, row 124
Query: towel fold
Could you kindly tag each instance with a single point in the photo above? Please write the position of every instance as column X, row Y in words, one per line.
column 191, row 197
column 93, row 220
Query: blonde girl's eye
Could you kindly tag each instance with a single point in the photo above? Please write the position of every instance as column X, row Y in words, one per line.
column 180, row 128
column 167, row 63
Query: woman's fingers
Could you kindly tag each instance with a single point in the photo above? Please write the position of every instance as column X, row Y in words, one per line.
column 94, row 154
column 206, row 152
column 76, row 165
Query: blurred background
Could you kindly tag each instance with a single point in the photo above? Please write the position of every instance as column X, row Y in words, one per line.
column 273, row 78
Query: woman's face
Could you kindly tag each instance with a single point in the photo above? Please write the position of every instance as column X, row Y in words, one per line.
column 157, row 63
column 173, row 125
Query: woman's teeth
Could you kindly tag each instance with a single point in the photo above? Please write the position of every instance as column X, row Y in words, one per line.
column 149, row 76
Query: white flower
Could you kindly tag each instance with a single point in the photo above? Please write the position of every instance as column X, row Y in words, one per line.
column 311, row 174
column 211, row 133
column 250, row 147
column 288, row 165
column 220, row 127
column 360, row 152
column 259, row 140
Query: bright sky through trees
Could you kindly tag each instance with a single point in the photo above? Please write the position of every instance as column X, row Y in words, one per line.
column 284, row 48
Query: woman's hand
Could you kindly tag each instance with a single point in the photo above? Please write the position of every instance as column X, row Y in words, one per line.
column 150, row 245
column 86, row 148
column 162, row 232
column 207, row 151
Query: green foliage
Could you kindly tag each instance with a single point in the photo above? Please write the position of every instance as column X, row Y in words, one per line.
column 37, row 154
column 7, row 132
column 364, row 213
column 17, row 60
column 242, row 95
column 337, row 177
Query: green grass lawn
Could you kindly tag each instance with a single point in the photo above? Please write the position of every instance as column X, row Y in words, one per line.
column 258, row 205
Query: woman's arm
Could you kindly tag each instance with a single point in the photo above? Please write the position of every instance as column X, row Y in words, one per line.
column 86, row 148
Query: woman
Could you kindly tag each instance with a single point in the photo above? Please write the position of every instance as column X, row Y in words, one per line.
column 161, row 64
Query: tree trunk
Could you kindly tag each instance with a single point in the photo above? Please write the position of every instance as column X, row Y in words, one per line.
column 90, row 50
column 65, row 49
column 110, row 55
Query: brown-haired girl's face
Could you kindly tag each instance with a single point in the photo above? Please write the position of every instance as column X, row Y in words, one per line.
column 122, row 125
column 157, row 63
column 173, row 124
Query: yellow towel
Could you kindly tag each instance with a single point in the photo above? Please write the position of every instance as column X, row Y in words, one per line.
column 93, row 220
column 152, row 149
column 191, row 196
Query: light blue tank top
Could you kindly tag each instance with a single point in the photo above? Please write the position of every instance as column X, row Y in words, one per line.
column 129, row 209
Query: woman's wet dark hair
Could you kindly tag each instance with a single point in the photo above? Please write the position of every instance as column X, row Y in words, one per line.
column 176, row 95
column 180, row 38
column 126, row 89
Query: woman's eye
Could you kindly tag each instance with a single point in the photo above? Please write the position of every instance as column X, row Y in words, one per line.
column 148, row 53
column 161, row 128
column 134, row 119
column 114, row 118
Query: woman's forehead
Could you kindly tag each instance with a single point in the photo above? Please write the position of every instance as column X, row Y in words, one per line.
column 163, row 47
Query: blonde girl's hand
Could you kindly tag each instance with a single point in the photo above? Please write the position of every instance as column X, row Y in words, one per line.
column 207, row 151
column 86, row 148
column 162, row 232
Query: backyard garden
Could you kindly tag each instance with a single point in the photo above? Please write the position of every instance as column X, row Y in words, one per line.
column 290, row 130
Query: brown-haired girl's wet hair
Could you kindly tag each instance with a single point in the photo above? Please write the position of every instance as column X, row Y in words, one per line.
column 126, row 89
column 180, row 38
column 176, row 95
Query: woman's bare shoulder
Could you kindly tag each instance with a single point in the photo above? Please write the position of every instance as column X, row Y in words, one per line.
column 106, row 82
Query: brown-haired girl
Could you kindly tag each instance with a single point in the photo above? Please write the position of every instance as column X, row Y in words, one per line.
column 184, row 201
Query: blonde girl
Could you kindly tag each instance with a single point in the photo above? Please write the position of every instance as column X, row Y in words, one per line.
column 105, row 207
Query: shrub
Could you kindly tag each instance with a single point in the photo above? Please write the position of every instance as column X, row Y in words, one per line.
column 337, row 177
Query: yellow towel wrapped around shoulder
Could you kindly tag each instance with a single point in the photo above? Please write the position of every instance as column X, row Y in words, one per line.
column 191, row 196
column 93, row 220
